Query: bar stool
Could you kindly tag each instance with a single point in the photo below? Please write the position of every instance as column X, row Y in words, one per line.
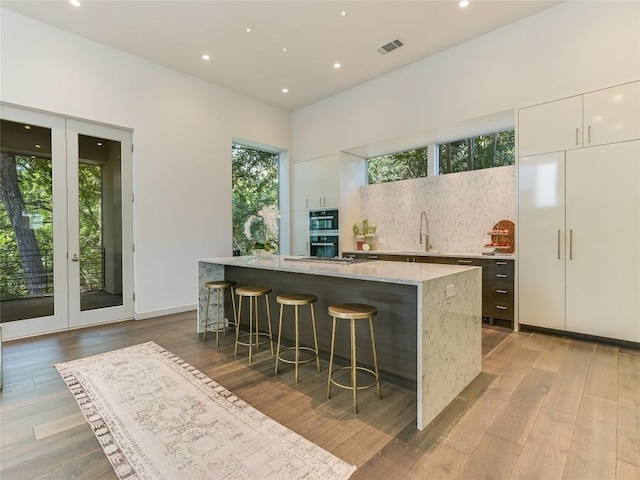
column 353, row 312
column 296, row 300
column 253, row 337
column 219, row 288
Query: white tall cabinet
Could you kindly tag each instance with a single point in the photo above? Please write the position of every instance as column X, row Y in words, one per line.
column 579, row 217
column 330, row 182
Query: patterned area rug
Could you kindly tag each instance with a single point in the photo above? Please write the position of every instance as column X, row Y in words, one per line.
column 157, row 417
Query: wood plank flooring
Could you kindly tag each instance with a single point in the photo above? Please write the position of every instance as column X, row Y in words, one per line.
column 543, row 408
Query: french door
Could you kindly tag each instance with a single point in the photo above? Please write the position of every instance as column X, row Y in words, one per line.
column 65, row 223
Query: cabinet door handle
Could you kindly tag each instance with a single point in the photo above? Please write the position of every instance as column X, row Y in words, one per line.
column 306, row 203
column 501, row 275
column 465, row 261
column 502, row 291
column 373, row 257
column 558, row 244
column 501, row 263
column 576, row 136
column 589, row 134
column 501, row 307
column 570, row 244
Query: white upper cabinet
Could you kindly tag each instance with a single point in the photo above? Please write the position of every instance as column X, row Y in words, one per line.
column 331, row 183
column 550, row 127
column 597, row 118
column 612, row 115
column 317, row 184
column 307, row 191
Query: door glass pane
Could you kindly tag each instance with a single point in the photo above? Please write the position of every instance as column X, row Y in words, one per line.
column 26, row 222
column 100, row 210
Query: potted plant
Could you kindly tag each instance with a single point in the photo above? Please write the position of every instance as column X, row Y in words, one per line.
column 364, row 234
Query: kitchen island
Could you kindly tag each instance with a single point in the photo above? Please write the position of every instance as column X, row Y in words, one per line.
column 428, row 327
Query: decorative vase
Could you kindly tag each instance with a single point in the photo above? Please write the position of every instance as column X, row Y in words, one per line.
column 359, row 242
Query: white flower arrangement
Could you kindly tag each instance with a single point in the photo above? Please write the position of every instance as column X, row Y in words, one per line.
column 268, row 216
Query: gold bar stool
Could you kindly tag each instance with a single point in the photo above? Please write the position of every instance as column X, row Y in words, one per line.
column 253, row 337
column 219, row 288
column 296, row 300
column 353, row 312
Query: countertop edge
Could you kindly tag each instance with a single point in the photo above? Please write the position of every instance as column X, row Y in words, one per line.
column 429, row 254
column 350, row 271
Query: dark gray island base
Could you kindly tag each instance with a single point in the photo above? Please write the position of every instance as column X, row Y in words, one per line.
column 426, row 340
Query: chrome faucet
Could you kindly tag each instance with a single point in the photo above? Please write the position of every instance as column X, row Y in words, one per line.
column 427, row 245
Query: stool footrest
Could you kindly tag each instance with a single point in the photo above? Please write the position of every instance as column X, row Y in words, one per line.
column 292, row 349
column 253, row 339
column 350, row 387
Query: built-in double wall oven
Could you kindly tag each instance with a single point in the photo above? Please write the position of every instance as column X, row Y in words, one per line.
column 323, row 233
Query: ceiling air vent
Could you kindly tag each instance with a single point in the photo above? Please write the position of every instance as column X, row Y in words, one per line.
column 390, row 47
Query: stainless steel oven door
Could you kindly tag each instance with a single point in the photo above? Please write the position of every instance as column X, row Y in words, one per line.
column 324, row 246
column 324, row 220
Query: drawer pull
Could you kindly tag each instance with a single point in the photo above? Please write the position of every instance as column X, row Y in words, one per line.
column 464, row 261
column 502, row 275
column 501, row 263
column 502, row 291
column 501, row 307
column 373, row 257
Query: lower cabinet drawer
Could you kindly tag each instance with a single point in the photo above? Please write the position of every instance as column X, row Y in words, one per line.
column 498, row 310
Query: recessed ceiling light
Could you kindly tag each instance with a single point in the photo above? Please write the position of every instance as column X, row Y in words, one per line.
column 285, row 50
column 27, row 127
column 75, row 3
column 464, row 3
column 205, row 57
column 248, row 30
column 37, row 146
column 99, row 144
column 343, row 13
column 336, row 65
column 285, row 90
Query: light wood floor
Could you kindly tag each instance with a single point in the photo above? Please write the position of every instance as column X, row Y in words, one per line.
column 543, row 408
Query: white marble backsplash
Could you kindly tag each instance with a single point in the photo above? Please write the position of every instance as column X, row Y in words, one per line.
column 460, row 208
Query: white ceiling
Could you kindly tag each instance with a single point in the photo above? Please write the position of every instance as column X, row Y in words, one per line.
column 176, row 33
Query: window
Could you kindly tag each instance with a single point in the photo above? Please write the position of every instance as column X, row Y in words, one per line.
column 397, row 166
column 255, row 184
column 483, row 151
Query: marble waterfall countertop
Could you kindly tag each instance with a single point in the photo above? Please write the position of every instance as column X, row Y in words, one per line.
column 372, row 270
column 419, row 253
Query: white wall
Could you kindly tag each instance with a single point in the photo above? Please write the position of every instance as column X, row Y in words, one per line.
column 575, row 47
column 182, row 132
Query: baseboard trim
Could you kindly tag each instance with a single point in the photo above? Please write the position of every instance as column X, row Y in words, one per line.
column 163, row 312
column 581, row 336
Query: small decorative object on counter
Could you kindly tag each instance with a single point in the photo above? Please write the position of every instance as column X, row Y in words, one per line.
column 502, row 238
column 365, row 235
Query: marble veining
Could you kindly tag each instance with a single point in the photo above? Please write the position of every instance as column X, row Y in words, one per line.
column 451, row 340
column 460, row 208
column 207, row 272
